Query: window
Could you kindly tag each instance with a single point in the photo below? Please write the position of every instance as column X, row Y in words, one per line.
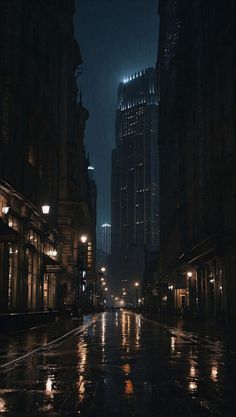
column 12, row 276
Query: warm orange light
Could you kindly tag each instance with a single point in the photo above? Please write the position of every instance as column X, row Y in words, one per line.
column 129, row 389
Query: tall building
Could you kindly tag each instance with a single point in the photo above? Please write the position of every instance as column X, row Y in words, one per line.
column 135, row 183
column 197, row 155
column 106, row 238
column 42, row 157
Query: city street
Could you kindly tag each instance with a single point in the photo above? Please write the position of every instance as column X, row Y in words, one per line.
column 116, row 364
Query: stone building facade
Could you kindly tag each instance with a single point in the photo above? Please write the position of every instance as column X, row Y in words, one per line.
column 196, row 72
column 42, row 155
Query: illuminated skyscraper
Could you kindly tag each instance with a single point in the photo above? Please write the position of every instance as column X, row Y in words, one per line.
column 135, row 184
column 106, row 238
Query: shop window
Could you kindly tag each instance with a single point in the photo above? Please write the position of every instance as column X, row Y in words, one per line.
column 13, row 223
column 50, row 250
column 49, row 291
column 34, row 239
column 34, row 288
column 12, row 276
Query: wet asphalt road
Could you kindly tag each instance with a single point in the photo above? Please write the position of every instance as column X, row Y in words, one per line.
column 115, row 364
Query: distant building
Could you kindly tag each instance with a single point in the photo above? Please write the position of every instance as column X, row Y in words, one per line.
column 106, row 238
column 135, row 182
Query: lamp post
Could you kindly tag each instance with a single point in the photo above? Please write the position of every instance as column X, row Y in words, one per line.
column 81, row 276
column 136, row 284
column 102, row 285
column 192, row 290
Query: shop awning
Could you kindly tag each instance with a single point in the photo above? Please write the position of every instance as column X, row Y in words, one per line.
column 50, row 265
column 7, row 234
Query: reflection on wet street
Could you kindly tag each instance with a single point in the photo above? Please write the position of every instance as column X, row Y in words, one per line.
column 119, row 365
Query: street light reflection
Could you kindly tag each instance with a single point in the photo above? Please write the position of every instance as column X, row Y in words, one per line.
column 103, row 334
column 192, row 371
column 126, row 328
column 49, row 386
column 214, row 373
column 3, row 405
column 116, row 320
column 81, row 368
column 172, row 344
column 192, row 386
column 123, row 329
column 82, row 356
column 81, row 387
column 138, row 330
column 128, row 325
column 126, row 368
column 129, row 389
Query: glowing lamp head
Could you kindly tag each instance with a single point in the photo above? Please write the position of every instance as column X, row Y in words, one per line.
column 45, row 209
column 189, row 274
column 136, row 284
column 83, row 239
column 5, row 210
column 103, row 269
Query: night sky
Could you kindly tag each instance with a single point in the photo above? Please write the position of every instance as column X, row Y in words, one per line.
column 116, row 38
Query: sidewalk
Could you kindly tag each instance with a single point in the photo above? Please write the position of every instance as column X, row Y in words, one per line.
column 24, row 320
column 212, row 329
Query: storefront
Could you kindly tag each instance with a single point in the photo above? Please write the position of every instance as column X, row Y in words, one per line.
column 28, row 257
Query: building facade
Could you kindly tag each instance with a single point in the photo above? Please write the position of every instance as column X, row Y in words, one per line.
column 135, row 182
column 42, row 156
column 196, row 65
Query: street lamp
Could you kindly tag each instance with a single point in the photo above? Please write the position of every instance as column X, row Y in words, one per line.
column 103, row 269
column 5, row 209
column 83, row 239
column 45, row 208
column 136, row 284
column 82, row 274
